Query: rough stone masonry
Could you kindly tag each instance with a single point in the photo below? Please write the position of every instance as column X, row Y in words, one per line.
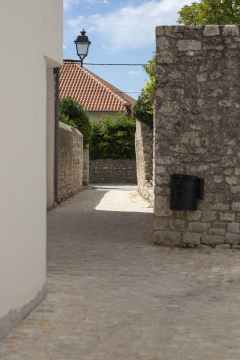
column 70, row 161
column 144, row 160
column 197, row 132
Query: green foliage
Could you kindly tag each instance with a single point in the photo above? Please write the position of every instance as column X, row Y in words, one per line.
column 113, row 139
column 143, row 111
column 206, row 12
column 65, row 119
column 150, row 69
column 73, row 113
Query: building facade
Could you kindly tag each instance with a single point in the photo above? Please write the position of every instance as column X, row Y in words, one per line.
column 31, row 42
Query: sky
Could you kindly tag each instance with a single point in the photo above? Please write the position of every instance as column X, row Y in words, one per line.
column 121, row 32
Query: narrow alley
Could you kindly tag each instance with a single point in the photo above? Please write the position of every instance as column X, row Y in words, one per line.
column 113, row 295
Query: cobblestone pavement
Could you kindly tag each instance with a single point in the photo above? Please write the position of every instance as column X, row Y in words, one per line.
column 113, row 295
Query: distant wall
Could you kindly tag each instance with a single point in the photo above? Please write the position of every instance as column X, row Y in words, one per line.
column 112, row 171
column 144, row 160
column 70, row 161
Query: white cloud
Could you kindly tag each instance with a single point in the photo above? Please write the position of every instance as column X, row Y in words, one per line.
column 65, row 4
column 68, row 3
column 64, row 47
column 132, row 26
column 135, row 72
column 98, row 1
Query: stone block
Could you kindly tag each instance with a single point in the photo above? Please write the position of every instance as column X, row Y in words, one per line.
column 228, row 172
column 231, row 180
column 164, row 160
column 178, row 225
column 179, row 149
column 198, row 227
column 188, row 136
column 211, row 30
column 159, row 30
column 216, row 231
column 230, row 30
column 223, row 246
column 160, row 224
column 198, row 169
column 228, row 161
column 227, row 216
column 194, row 215
column 209, row 216
column 165, row 57
column 186, row 45
column 235, row 189
column 218, row 179
column 162, row 43
column 168, row 238
column 163, row 179
column 191, row 238
column 221, row 206
column 162, row 206
column 236, row 206
column 232, row 238
column 233, row 227
column 201, row 77
column 212, row 239
column 168, row 30
column 180, row 214
column 219, row 224
column 166, row 107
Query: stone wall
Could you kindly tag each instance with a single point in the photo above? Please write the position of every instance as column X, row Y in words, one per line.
column 112, row 171
column 144, row 160
column 70, row 161
column 86, row 166
column 197, row 115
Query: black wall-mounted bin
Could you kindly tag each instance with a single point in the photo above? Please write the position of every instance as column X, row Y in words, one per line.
column 185, row 191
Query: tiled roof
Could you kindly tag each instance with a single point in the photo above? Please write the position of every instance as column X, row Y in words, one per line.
column 92, row 92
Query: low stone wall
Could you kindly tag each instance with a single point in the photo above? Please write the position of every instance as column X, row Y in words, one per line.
column 144, row 160
column 86, row 166
column 70, row 161
column 112, row 171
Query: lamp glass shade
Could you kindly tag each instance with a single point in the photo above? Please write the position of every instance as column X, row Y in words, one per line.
column 82, row 49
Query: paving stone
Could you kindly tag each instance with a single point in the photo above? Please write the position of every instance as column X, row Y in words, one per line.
column 113, row 295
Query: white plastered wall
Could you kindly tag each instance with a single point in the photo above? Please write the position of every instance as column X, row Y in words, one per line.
column 31, row 42
column 50, row 138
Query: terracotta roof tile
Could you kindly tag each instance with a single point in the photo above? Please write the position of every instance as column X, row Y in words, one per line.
column 92, row 92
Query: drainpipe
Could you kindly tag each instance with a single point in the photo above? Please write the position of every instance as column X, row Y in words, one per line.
column 56, row 72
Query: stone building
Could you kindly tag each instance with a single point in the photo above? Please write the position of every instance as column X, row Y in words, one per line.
column 196, row 132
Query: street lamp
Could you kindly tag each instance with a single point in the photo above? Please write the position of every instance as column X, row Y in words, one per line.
column 82, row 45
